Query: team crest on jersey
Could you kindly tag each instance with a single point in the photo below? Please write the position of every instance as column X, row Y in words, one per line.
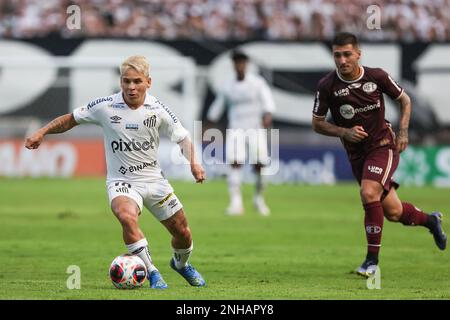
column 369, row 87
column 347, row 111
column 150, row 122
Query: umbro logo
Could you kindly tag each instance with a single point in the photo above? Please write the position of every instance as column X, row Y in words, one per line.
column 115, row 119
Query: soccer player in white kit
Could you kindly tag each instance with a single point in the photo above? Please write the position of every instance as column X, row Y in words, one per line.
column 132, row 121
column 250, row 106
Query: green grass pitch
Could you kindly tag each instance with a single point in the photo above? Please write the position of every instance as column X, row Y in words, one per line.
column 305, row 250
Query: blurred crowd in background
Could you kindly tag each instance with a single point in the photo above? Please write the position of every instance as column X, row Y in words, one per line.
column 401, row 20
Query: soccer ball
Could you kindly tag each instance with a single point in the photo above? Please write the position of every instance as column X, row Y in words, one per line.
column 127, row 272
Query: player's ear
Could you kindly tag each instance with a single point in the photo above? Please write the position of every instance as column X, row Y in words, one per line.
column 149, row 82
column 358, row 51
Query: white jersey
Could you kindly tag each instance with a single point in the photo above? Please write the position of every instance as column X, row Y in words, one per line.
column 246, row 101
column 131, row 137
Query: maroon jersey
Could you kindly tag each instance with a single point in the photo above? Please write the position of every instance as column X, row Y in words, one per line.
column 359, row 102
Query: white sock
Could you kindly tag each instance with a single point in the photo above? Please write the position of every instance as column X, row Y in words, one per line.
column 140, row 248
column 181, row 256
column 234, row 184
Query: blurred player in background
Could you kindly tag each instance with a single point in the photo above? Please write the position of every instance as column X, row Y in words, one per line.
column 354, row 96
column 132, row 121
column 250, row 106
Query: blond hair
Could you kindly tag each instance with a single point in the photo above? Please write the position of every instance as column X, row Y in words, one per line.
column 138, row 63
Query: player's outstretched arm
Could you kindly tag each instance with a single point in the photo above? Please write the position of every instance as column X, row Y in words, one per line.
column 405, row 115
column 58, row 125
column 354, row 134
column 187, row 149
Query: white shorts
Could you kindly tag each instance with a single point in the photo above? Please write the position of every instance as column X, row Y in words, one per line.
column 158, row 197
column 247, row 144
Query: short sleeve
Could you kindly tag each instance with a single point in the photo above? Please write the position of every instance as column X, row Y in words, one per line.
column 388, row 85
column 267, row 101
column 85, row 114
column 320, row 108
column 171, row 126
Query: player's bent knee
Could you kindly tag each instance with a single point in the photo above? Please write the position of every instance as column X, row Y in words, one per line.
column 369, row 195
column 393, row 214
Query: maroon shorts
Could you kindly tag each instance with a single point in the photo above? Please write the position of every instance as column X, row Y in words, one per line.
column 378, row 165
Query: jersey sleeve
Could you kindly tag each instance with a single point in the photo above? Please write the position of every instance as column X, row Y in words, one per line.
column 267, row 102
column 320, row 108
column 171, row 126
column 388, row 85
column 217, row 108
column 84, row 114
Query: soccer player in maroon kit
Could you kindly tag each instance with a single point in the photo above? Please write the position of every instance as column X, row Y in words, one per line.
column 354, row 96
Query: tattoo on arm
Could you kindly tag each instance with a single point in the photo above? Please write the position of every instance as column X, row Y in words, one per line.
column 405, row 114
column 61, row 124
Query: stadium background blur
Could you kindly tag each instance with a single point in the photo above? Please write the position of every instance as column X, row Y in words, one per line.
column 48, row 69
column 57, row 69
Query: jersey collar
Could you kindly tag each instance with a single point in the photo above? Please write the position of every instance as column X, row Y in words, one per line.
column 346, row 81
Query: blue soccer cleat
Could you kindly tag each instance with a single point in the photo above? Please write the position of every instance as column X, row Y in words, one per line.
column 190, row 274
column 156, row 280
column 367, row 269
column 438, row 233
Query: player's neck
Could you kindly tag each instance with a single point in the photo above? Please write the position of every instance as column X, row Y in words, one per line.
column 353, row 76
column 240, row 76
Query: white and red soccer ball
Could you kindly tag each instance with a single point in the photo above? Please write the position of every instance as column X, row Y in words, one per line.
column 127, row 272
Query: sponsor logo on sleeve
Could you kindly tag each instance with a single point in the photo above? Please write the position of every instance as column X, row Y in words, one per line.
column 95, row 102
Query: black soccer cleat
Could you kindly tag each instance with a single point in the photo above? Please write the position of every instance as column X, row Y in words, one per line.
column 368, row 268
column 438, row 233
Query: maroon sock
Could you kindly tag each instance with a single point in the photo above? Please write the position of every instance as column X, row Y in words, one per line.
column 373, row 222
column 413, row 216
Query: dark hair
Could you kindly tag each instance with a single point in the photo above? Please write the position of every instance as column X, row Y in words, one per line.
column 237, row 55
column 344, row 38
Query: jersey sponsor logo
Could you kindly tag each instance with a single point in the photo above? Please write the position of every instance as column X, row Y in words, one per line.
column 342, row 92
column 369, row 107
column 171, row 114
column 347, row 111
column 138, row 167
column 124, row 188
column 122, row 170
column 133, row 145
column 119, row 105
column 150, row 122
column 369, row 87
column 373, row 229
column 95, row 102
column 172, row 203
column 131, row 126
column 354, row 86
column 115, row 119
column 375, row 169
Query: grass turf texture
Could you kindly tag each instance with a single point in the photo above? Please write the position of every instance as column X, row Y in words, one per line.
column 305, row 250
